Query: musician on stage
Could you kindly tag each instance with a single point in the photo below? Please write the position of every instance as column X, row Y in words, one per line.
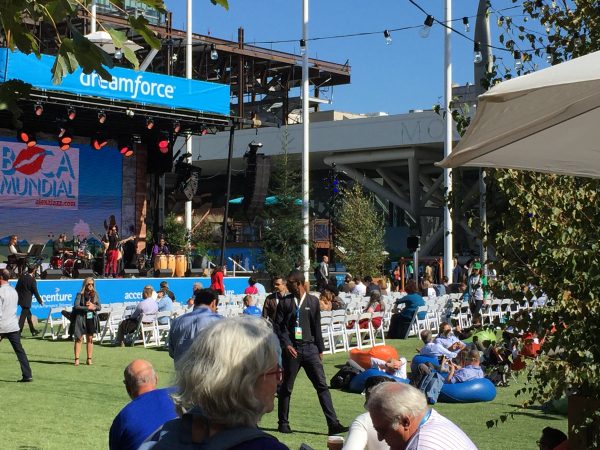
column 160, row 248
column 16, row 253
column 59, row 247
column 111, row 242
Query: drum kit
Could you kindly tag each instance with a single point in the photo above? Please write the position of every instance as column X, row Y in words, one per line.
column 170, row 265
column 70, row 262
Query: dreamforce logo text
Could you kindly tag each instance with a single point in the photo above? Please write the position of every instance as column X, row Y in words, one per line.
column 129, row 86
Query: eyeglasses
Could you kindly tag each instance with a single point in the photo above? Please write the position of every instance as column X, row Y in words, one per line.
column 278, row 374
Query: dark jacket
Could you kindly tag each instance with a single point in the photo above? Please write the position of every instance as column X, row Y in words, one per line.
column 77, row 327
column 27, row 288
column 270, row 307
column 285, row 321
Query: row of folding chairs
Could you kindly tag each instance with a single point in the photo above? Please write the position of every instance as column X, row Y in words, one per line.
column 342, row 332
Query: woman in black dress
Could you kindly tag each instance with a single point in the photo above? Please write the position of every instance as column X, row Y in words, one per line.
column 84, row 320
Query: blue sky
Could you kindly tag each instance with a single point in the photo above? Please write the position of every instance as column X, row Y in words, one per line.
column 407, row 74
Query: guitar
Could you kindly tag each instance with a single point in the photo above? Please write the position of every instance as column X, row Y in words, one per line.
column 119, row 243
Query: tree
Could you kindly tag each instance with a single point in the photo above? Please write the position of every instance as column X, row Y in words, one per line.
column 360, row 235
column 282, row 235
column 74, row 50
column 176, row 235
column 547, row 237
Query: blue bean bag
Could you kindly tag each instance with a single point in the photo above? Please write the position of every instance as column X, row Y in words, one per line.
column 420, row 359
column 357, row 385
column 479, row 390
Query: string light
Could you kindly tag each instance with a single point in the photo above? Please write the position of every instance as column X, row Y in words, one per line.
column 71, row 113
column 214, row 54
column 118, row 54
column 426, row 29
column 302, row 47
column 387, row 36
column 38, row 109
column 549, row 54
column 518, row 60
column 101, row 116
column 477, row 56
column 465, row 21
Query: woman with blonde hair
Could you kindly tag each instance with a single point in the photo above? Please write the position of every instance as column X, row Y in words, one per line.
column 224, row 388
column 84, row 318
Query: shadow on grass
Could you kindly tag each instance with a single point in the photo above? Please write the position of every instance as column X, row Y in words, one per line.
column 41, row 361
column 534, row 412
column 296, row 431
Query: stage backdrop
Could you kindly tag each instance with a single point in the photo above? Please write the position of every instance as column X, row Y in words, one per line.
column 45, row 191
column 62, row 293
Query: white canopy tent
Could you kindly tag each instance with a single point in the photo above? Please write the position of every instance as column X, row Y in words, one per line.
column 547, row 121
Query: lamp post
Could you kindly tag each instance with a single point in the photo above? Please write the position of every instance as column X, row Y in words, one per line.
column 448, row 244
column 188, row 141
column 305, row 142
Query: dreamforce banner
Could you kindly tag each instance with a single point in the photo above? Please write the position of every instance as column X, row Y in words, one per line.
column 39, row 176
column 126, row 84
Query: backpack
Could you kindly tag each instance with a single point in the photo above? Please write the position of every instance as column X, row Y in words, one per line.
column 342, row 379
column 431, row 385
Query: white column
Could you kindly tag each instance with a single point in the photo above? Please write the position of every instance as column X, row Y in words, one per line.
column 305, row 142
column 448, row 246
column 188, row 75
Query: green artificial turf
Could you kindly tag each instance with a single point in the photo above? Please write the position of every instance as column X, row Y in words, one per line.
column 69, row 407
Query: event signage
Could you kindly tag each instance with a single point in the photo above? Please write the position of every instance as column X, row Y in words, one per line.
column 62, row 293
column 126, row 84
column 38, row 177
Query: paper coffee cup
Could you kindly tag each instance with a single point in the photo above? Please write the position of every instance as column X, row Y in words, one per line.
column 335, row 442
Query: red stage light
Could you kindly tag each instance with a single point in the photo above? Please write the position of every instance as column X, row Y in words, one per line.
column 163, row 145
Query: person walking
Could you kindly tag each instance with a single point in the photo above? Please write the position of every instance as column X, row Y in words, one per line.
column 298, row 326
column 84, row 319
column 26, row 289
column 9, row 324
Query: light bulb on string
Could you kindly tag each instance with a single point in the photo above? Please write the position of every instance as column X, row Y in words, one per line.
column 477, row 56
column 465, row 21
column 518, row 60
column 214, row 54
column 500, row 21
column 118, row 54
column 302, row 47
column 549, row 55
column 426, row 29
column 387, row 36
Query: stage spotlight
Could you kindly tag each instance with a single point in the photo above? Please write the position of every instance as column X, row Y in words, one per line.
column 176, row 127
column 101, row 116
column 149, row 123
column 71, row 113
column 98, row 140
column 126, row 146
column 64, row 139
column 27, row 136
column 163, row 142
column 38, row 109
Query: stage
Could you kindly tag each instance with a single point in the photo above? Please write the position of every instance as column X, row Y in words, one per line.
column 62, row 293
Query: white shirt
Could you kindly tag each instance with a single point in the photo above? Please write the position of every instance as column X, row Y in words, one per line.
column 439, row 433
column 360, row 289
column 362, row 435
column 8, row 309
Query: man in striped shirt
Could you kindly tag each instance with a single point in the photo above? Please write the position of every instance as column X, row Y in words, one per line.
column 401, row 417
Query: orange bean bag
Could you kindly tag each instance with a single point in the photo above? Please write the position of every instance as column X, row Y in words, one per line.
column 363, row 357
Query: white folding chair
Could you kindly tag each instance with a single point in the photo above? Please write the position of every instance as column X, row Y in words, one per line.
column 375, row 331
column 338, row 331
column 351, row 330
column 56, row 319
column 326, row 331
column 365, row 334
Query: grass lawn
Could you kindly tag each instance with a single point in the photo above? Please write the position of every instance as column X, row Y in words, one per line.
column 69, row 407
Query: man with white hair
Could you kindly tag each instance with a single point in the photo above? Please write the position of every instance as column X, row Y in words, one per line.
column 149, row 407
column 401, row 417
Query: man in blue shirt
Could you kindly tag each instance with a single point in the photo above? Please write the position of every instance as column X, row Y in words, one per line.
column 149, row 408
column 250, row 306
column 447, row 339
column 185, row 328
column 470, row 371
column 432, row 349
column 164, row 304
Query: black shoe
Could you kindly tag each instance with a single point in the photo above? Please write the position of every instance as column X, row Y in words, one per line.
column 338, row 428
column 284, row 428
column 35, row 332
column 25, row 380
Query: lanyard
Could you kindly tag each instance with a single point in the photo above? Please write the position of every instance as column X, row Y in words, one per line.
column 298, row 304
column 425, row 418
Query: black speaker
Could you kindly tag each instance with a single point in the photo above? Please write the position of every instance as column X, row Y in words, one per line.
column 52, row 274
column 412, row 243
column 83, row 273
column 258, row 173
column 195, row 273
column 131, row 273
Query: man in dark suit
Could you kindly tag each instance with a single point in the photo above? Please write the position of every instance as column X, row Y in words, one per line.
column 272, row 300
column 27, row 288
column 298, row 326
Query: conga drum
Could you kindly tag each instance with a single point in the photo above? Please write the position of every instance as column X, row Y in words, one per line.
column 160, row 262
column 180, row 265
column 171, row 264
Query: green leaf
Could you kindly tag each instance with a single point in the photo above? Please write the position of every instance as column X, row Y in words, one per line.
column 223, row 3
column 140, row 25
